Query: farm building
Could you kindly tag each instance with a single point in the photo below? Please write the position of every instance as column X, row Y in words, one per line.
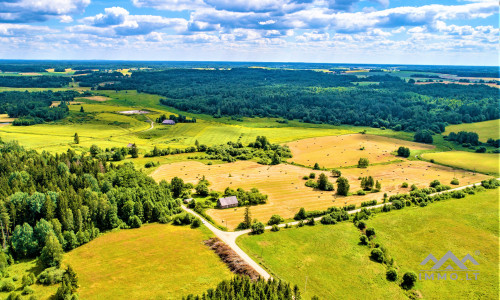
column 227, row 202
column 168, row 122
column 186, row 201
column 130, row 145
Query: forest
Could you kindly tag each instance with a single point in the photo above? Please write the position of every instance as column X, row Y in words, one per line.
column 313, row 97
column 34, row 81
column 73, row 197
column 34, row 107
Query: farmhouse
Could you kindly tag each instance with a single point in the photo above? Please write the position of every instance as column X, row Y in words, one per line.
column 227, row 202
column 168, row 122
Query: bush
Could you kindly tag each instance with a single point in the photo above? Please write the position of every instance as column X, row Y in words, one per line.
column 363, row 240
column 50, row 276
column 8, row 286
column 312, row 175
column 455, row 181
column 27, row 290
column 458, row 194
column 301, row 215
column 363, row 162
column 327, row 220
column 403, row 151
column 404, row 185
column 275, row 228
column 134, row 222
column 275, row 219
column 311, row 221
column 377, row 255
column 196, row 223
column 397, row 204
column 257, row 228
column 435, row 183
column 336, row 173
column 360, row 193
column 409, row 279
column 300, row 224
column 368, row 203
column 311, row 183
column 305, row 177
column 361, row 225
column 370, row 232
column 391, row 274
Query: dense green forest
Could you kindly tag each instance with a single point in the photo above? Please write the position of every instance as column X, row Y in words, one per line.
column 73, row 197
column 313, row 97
column 34, row 108
column 34, row 81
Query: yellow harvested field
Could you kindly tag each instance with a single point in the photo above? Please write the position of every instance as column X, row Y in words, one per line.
column 286, row 190
column 57, row 103
column 344, row 150
column 4, row 118
column 95, row 98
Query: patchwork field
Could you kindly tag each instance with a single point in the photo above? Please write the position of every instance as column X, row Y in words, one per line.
column 480, row 162
column 154, row 262
column 336, row 267
column 287, row 192
column 485, row 130
column 345, row 150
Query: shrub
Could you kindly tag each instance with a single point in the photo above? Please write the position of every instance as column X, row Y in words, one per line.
column 275, row 228
column 413, row 187
column 336, row 173
column 360, row 193
column 363, row 240
column 275, row 219
column 368, row 203
column 301, row 215
column 370, row 232
column 196, row 223
column 305, row 177
column 455, row 181
column 312, row 175
column 409, row 279
column 50, row 276
column 257, row 228
column 363, row 162
column 300, row 224
column 397, row 204
column 27, row 290
column 391, row 274
column 377, row 255
column 361, row 225
column 149, row 164
column 458, row 194
column 134, row 222
column 326, row 220
column 343, row 186
column 311, row 183
column 404, row 185
column 8, row 286
column 403, row 151
column 434, row 183
column 311, row 221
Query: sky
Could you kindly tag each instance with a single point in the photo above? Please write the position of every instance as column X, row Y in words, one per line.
column 447, row 32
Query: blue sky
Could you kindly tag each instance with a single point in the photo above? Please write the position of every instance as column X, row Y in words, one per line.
column 458, row 32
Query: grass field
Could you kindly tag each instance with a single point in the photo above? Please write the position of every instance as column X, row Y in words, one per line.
column 345, row 150
column 286, row 190
column 481, row 162
column 335, row 266
column 468, row 225
column 154, row 262
column 338, row 268
column 485, row 130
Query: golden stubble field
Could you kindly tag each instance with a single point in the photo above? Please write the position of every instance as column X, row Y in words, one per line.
column 286, row 190
column 345, row 150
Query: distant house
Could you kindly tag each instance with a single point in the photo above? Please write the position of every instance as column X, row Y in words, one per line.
column 168, row 122
column 130, row 145
column 186, row 201
column 227, row 202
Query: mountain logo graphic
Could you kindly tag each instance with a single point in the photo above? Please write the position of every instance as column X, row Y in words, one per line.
column 449, row 256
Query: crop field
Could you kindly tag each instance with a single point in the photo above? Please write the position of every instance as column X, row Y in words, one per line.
column 337, row 267
column 485, row 130
column 94, row 98
column 480, row 162
column 154, row 262
column 4, row 118
column 286, row 190
column 328, row 257
column 345, row 150
column 463, row 226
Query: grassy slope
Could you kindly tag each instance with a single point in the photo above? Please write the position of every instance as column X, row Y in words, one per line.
column 462, row 226
column 480, row 162
column 485, row 130
column 153, row 262
column 337, row 267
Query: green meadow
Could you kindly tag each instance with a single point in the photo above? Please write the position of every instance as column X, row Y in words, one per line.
column 485, row 130
column 479, row 162
column 337, row 267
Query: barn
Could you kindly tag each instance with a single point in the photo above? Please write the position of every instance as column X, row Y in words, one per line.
column 168, row 122
column 227, row 202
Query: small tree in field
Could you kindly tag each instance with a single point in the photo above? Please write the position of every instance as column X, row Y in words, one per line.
column 316, row 166
column 336, row 173
column 343, row 186
column 77, row 139
column 275, row 219
column 409, row 279
column 258, row 228
column 363, row 162
column 52, row 252
column 247, row 217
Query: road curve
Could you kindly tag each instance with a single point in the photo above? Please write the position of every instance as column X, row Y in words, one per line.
column 229, row 237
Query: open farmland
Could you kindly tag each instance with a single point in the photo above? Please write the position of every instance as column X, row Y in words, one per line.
column 337, row 267
column 147, row 263
column 287, row 192
column 480, row 162
column 485, row 130
column 345, row 150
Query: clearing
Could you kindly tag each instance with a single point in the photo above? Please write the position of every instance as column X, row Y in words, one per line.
column 336, row 266
column 94, row 98
column 153, row 262
column 345, row 150
column 480, row 162
column 485, row 130
column 286, row 190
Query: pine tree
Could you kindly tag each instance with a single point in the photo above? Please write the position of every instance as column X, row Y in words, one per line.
column 77, row 139
column 81, row 109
